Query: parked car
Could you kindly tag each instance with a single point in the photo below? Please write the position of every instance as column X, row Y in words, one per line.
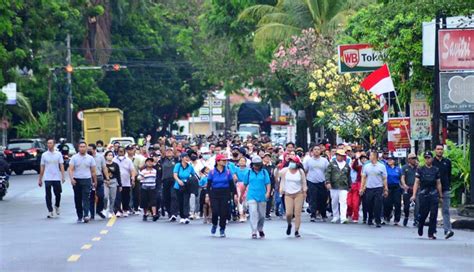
column 24, row 154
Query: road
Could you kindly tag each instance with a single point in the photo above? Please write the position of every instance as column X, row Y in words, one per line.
column 31, row 242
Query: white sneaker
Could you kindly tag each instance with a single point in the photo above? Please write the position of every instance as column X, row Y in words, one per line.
column 126, row 214
column 138, row 212
column 109, row 215
column 334, row 220
column 58, row 211
column 50, row 215
column 172, row 218
column 191, row 216
column 182, row 221
column 186, row 221
column 344, row 221
column 118, row 214
column 197, row 217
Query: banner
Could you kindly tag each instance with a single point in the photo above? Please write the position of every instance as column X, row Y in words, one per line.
column 10, row 91
column 420, row 117
column 354, row 58
column 398, row 133
column 456, row 49
column 456, row 92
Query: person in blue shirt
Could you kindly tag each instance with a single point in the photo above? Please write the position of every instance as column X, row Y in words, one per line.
column 204, row 200
column 258, row 184
column 240, row 173
column 220, row 185
column 394, row 198
column 182, row 172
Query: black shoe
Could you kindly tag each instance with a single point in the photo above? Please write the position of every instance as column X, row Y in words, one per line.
column 156, row 217
column 312, row 219
column 405, row 221
column 268, row 217
column 145, row 217
column 449, row 234
column 378, row 226
column 308, row 210
column 364, row 221
column 86, row 219
column 297, row 234
column 415, row 224
column 432, row 237
column 261, row 234
column 370, row 223
column 420, row 232
column 288, row 229
column 101, row 215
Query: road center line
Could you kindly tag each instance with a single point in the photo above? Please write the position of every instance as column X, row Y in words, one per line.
column 96, row 239
column 111, row 221
column 104, row 231
column 86, row 246
column 73, row 258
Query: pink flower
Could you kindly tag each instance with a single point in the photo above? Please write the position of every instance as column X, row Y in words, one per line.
column 293, row 50
column 273, row 66
column 285, row 64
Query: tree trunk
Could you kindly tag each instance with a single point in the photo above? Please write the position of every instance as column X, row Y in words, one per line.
column 310, row 116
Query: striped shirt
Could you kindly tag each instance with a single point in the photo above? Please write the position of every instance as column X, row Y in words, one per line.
column 148, row 178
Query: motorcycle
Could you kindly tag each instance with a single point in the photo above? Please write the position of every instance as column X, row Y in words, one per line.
column 4, row 184
column 66, row 161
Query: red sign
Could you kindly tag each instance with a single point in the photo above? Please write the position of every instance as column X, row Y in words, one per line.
column 456, row 49
column 398, row 133
column 355, row 58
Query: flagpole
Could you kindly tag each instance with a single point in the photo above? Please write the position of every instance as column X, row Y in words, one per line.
column 403, row 115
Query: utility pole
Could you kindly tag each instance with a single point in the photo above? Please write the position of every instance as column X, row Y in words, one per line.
column 69, row 92
column 436, row 102
column 471, row 152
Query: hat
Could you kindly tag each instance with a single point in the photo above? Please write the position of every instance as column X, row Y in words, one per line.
column 148, row 159
column 236, row 147
column 256, row 160
column 296, row 159
column 299, row 149
column 129, row 147
column 340, row 152
column 412, row 156
column 205, row 150
column 184, row 154
column 428, row 154
column 193, row 144
column 348, row 148
column 221, row 157
column 191, row 151
column 267, row 155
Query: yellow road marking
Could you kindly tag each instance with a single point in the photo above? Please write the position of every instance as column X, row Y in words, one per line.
column 104, row 231
column 86, row 246
column 111, row 221
column 73, row 258
column 96, row 239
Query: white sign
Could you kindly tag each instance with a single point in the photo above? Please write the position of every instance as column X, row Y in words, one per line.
column 80, row 116
column 217, row 103
column 400, row 153
column 217, row 111
column 203, row 111
column 10, row 91
column 204, row 117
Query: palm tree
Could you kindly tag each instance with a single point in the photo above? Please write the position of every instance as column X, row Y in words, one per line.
column 288, row 17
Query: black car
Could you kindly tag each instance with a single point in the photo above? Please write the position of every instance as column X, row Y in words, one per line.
column 24, row 154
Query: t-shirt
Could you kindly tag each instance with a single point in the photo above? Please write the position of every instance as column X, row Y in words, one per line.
column 293, row 182
column 316, row 169
column 51, row 161
column 167, row 166
column 183, row 173
column 393, row 175
column 100, row 164
column 198, row 165
column 148, row 178
column 409, row 173
column 427, row 177
column 374, row 174
column 220, row 180
column 257, row 185
column 241, row 173
column 445, row 168
column 126, row 167
column 82, row 166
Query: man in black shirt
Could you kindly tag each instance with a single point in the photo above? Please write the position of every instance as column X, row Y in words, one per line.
column 407, row 182
column 169, row 202
column 428, row 182
column 444, row 166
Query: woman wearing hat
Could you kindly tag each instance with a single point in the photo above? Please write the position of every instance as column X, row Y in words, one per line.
column 338, row 180
column 220, row 185
column 353, row 197
column 293, row 186
column 258, row 184
column 182, row 172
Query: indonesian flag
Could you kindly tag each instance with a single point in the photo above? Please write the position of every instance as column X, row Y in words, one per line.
column 379, row 81
column 383, row 107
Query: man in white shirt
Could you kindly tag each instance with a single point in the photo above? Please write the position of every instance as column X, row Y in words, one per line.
column 52, row 170
column 138, row 163
column 127, row 176
column 315, row 168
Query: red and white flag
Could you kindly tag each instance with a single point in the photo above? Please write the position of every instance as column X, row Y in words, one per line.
column 383, row 107
column 379, row 81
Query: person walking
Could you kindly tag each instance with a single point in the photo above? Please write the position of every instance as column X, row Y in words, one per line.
column 170, row 202
column 408, row 181
column 148, row 178
column 258, row 184
column 374, row 188
column 82, row 172
column 293, row 185
column 99, row 190
column 182, row 173
column 220, row 186
column 315, row 168
column 268, row 165
column 241, row 173
column 138, row 163
column 429, row 183
column 52, row 172
column 127, row 176
column 445, row 170
column 113, row 183
column 338, row 180
column 394, row 198
column 353, row 197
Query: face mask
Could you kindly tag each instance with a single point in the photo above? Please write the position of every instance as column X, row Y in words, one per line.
column 121, row 157
column 100, row 149
column 292, row 165
column 206, row 156
column 235, row 154
column 300, row 154
column 193, row 157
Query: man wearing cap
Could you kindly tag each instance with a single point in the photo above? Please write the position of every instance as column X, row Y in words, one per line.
column 445, row 168
column 374, row 188
column 407, row 181
column 315, row 168
column 169, row 200
column 428, row 183
column 338, row 180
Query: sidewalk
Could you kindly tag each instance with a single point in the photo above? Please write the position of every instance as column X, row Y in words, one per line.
column 459, row 221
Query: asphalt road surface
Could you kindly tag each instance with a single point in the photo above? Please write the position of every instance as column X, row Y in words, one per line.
column 31, row 242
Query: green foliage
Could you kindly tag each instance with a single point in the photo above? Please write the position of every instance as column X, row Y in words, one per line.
column 40, row 127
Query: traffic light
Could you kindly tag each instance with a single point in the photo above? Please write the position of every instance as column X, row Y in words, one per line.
column 69, row 69
column 112, row 67
column 116, row 67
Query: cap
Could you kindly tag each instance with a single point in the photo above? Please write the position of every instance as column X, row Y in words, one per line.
column 299, row 149
column 148, row 159
column 236, row 147
column 295, row 159
column 348, row 148
column 340, row 152
column 428, row 154
column 412, row 156
column 221, row 157
column 193, row 144
column 129, row 147
column 184, row 154
column 391, row 157
column 256, row 159
column 267, row 155
column 364, row 156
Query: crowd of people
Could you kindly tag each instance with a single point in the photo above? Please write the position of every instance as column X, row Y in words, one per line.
column 238, row 180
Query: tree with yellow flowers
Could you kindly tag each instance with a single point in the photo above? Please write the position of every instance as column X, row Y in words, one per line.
column 342, row 105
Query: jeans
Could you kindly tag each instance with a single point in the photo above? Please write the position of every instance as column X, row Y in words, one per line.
column 99, row 193
column 183, row 203
column 257, row 215
column 110, row 194
column 374, row 200
column 167, row 196
column 220, row 200
column 445, row 211
column 81, row 197
column 318, row 196
column 339, row 204
column 278, row 204
column 57, row 189
column 394, row 199
column 428, row 205
column 294, row 205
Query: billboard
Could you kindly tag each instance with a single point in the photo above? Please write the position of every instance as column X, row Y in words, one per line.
column 354, row 58
column 420, row 117
column 398, row 133
column 456, row 92
column 456, row 49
